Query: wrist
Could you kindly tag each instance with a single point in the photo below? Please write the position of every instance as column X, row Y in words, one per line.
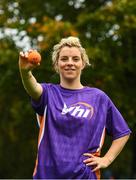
column 25, row 73
column 108, row 160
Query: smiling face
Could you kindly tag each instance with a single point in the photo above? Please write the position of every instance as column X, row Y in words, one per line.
column 70, row 64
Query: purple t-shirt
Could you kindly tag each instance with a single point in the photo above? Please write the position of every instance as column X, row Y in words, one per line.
column 73, row 122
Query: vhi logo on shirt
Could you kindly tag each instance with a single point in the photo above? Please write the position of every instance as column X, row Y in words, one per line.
column 80, row 109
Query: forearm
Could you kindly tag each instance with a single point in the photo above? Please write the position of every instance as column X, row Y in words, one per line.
column 115, row 149
column 30, row 84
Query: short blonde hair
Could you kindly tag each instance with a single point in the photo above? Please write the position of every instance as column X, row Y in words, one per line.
column 70, row 42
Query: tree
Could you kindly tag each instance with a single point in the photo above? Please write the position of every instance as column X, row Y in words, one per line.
column 107, row 31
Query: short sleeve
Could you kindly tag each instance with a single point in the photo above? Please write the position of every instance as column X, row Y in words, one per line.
column 116, row 126
column 39, row 105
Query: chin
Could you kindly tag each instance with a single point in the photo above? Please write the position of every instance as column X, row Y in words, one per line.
column 70, row 78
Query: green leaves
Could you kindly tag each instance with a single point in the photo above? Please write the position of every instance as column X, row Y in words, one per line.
column 107, row 31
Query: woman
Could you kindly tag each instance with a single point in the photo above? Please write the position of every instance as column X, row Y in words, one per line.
column 73, row 119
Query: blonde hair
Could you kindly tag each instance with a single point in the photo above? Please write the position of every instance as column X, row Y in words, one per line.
column 70, row 42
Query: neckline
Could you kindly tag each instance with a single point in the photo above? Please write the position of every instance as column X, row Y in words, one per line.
column 71, row 90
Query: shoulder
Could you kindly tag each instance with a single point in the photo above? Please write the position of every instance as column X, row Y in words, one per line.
column 98, row 94
column 48, row 85
column 96, row 91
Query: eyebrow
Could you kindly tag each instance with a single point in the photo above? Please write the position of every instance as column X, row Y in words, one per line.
column 67, row 56
column 63, row 56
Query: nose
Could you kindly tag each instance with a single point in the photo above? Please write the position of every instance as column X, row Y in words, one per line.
column 70, row 61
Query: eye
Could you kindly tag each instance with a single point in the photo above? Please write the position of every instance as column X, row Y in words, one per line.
column 76, row 59
column 64, row 59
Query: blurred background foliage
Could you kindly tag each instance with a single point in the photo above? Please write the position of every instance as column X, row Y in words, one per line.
column 106, row 28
